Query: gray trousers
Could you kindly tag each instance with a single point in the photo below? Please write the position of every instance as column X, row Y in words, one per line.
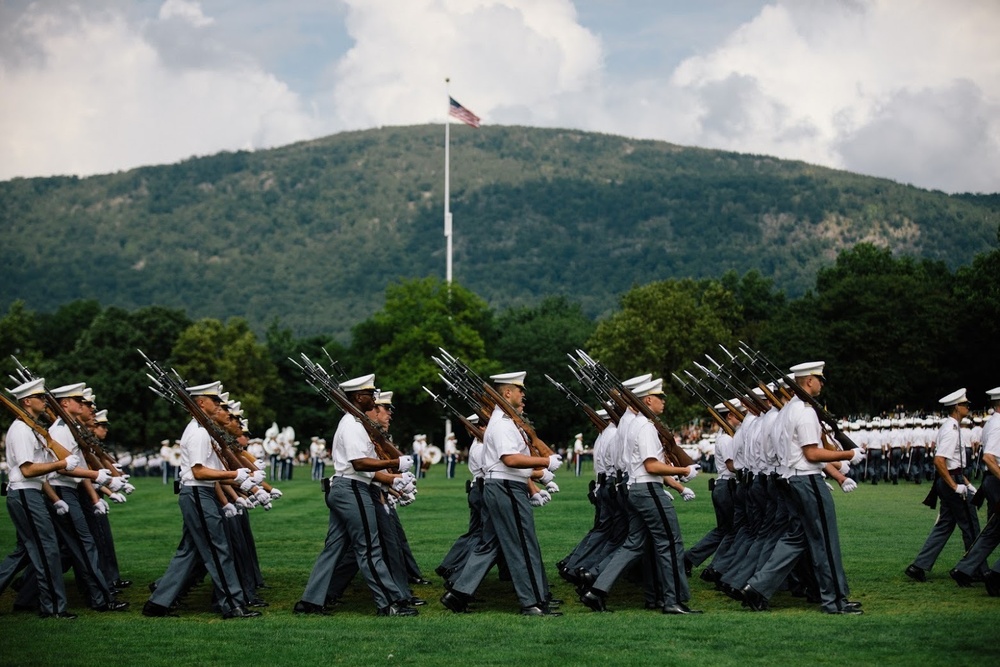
column 812, row 530
column 974, row 560
column 722, row 501
column 74, row 533
column 353, row 529
column 510, row 529
column 954, row 511
column 459, row 551
column 588, row 552
column 37, row 545
column 203, row 542
column 652, row 518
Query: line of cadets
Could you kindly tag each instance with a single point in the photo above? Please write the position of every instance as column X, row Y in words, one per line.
column 776, row 523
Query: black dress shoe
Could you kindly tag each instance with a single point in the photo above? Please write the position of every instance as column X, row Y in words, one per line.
column 680, row 609
column 397, row 609
column 585, row 578
column 152, row 587
column 455, row 601
column 992, row 581
column 122, row 583
column 241, row 612
column 709, row 575
column 154, row 610
column 537, row 610
column 850, row 604
column 416, row 602
column 915, row 573
column 441, row 571
column 65, row 615
column 419, row 581
column 257, row 602
column 111, row 606
column 961, row 578
column 554, row 602
column 753, row 600
column 593, row 601
column 303, row 607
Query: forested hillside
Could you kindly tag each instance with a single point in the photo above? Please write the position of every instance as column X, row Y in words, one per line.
column 311, row 234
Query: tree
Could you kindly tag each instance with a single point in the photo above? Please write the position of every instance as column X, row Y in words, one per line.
column 397, row 343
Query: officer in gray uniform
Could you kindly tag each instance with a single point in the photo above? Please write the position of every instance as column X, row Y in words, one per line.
column 353, row 525
column 510, row 524
column 952, row 488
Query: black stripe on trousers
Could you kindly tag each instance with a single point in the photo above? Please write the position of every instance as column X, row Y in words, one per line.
column 68, row 521
column 41, row 548
column 828, row 547
column 211, row 546
column 369, row 558
column 673, row 540
column 523, row 540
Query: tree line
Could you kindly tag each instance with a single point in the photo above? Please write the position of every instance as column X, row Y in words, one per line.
column 896, row 332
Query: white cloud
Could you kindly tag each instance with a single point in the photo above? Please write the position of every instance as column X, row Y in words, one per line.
column 187, row 11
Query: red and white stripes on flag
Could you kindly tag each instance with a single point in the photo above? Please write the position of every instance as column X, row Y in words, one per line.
column 456, row 110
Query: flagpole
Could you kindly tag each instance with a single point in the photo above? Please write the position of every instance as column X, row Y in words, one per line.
column 447, row 215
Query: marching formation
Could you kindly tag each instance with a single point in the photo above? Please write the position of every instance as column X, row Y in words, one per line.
column 776, row 524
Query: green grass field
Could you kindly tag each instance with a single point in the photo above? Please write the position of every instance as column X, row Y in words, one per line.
column 881, row 530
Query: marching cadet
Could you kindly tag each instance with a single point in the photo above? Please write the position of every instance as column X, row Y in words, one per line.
column 974, row 564
column 203, row 539
column 813, row 528
column 951, row 487
column 353, row 524
column 30, row 461
column 106, row 540
column 652, row 517
column 510, row 525
column 459, row 551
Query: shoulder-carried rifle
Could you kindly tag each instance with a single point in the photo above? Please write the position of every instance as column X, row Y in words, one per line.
column 474, row 429
column 719, row 419
column 599, row 423
column 43, row 433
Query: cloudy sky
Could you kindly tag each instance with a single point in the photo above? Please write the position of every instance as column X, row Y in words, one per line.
column 906, row 89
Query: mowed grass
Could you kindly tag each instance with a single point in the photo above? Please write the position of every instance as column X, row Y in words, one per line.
column 881, row 528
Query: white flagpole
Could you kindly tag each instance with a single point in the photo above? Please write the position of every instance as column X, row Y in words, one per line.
column 447, row 214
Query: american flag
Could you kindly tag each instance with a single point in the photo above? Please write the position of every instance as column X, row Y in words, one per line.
column 456, row 110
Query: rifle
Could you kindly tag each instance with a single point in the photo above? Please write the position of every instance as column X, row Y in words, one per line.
column 614, row 410
column 474, row 429
column 821, row 412
column 623, row 396
column 319, row 379
column 20, row 413
column 719, row 419
column 761, row 384
column 591, row 413
column 488, row 397
column 725, row 401
column 753, row 404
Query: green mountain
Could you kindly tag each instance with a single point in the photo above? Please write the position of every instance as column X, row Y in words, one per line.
column 311, row 233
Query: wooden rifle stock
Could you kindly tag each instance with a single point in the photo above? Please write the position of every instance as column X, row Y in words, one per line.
column 20, row 413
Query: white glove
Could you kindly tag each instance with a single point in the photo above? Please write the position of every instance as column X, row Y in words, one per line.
column 547, row 476
column 128, row 488
column 229, row 510
column 828, row 485
column 100, row 507
column 259, row 464
column 962, row 490
column 687, row 494
column 552, row 487
column 692, row 472
column 845, row 467
column 546, row 497
column 116, row 484
column 398, row 484
column 119, row 469
column 554, row 462
column 392, row 500
column 276, row 493
column 243, row 503
column 241, row 475
column 406, row 499
column 536, row 500
column 264, row 498
column 72, row 461
column 669, row 495
column 857, row 456
column 387, row 507
column 247, row 485
column 117, row 497
column 971, row 489
column 409, row 477
column 848, row 485
column 405, row 463
column 60, row 507
column 258, row 476
column 103, row 477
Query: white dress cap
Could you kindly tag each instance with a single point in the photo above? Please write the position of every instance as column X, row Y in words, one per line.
column 602, row 413
column 35, row 387
column 211, row 389
column 721, row 407
column 236, row 408
column 88, row 395
column 954, row 398
column 101, row 417
column 473, row 418
column 384, row 398
column 365, row 382
column 651, row 388
column 516, row 378
column 994, row 394
column 632, row 383
column 70, row 390
column 808, row 368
